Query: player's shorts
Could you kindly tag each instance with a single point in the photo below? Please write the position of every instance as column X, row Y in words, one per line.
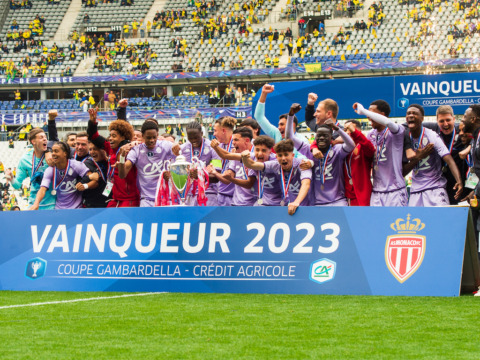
column 430, row 197
column 393, row 198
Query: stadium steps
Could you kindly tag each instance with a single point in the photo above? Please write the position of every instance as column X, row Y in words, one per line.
column 332, row 25
column 156, row 6
column 275, row 22
column 68, row 21
column 84, row 66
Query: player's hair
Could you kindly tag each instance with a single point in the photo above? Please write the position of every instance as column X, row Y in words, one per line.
column 285, row 116
column 244, row 132
column 152, row 119
column 419, row 107
column 65, row 147
column 476, row 110
column 82, row 134
column 325, row 126
column 252, row 123
column 445, row 109
column 194, row 125
column 330, row 105
column 228, row 122
column 149, row 125
column 382, row 106
column 70, row 134
column 264, row 140
column 123, row 128
column 33, row 134
column 165, row 135
column 284, row 146
column 357, row 123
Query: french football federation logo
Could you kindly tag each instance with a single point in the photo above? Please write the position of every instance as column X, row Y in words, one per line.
column 404, row 252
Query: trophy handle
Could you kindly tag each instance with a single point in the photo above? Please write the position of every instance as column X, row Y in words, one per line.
column 166, row 165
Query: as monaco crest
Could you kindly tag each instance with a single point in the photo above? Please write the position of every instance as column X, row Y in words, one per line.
column 404, row 252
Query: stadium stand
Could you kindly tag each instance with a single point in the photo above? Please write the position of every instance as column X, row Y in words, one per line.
column 206, row 35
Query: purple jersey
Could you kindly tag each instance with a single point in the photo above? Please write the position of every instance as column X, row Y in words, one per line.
column 387, row 162
column 224, row 189
column 329, row 180
column 207, row 154
column 68, row 197
column 272, row 193
column 273, row 167
column 428, row 172
column 242, row 196
column 150, row 164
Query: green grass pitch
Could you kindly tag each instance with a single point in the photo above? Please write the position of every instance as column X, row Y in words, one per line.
column 232, row 326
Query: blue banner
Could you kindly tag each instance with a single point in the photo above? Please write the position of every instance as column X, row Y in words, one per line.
column 362, row 251
column 458, row 90
column 151, row 77
column 169, row 115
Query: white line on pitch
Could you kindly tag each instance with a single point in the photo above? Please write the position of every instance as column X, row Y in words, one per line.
column 79, row 300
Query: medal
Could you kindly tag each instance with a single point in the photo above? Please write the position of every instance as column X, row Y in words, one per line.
column 55, row 184
column 260, row 201
column 285, row 185
column 111, row 169
column 375, row 167
column 348, row 167
column 322, row 187
column 324, row 162
column 444, row 169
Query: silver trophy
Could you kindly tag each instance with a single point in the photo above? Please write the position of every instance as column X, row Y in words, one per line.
column 35, row 266
column 180, row 175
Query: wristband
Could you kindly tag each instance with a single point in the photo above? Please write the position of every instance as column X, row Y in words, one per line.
column 85, row 186
column 311, row 162
column 121, row 159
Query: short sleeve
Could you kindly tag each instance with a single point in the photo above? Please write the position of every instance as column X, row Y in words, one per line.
column 82, row 169
column 306, row 174
column 271, row 166
column 133, row 155
column 47, row 177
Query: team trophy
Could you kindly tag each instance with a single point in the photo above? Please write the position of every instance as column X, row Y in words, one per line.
column 180, row 176
column 35, row 266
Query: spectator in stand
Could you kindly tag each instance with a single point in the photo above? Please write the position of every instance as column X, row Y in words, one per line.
column 86, row 19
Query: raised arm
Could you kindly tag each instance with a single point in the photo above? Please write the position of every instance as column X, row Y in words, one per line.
column 310, row 112
column 378, row 118
column 122, row 109
column 249, row 163
column 348, row 143
column 224, row 154
column 266, row 126
column 52, row 125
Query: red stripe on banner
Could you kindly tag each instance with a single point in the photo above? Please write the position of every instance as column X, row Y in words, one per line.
column 403, row 262
column 415, row 255
column 393, row 256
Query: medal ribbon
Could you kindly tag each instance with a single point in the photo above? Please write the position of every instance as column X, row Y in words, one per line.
column 469, row 161
column 225, row 162
column 285, row 187
column 418, row 146
column 40, row 162
column 383, row 140
column 111, row 169
column 100, row 171
column 201, row 150
column 450, row 147
column 261, row 184
column 55, row 185
column 348, row 165
column 324, row 164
